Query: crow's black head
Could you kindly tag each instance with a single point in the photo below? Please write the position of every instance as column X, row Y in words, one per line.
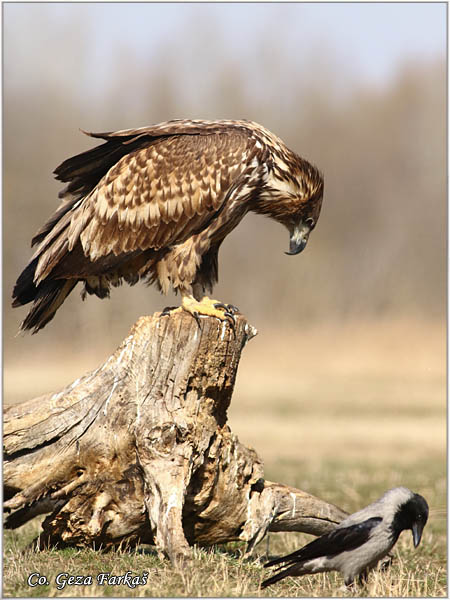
column 412, row 514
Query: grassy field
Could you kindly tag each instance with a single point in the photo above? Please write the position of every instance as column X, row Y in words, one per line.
column 344, row 412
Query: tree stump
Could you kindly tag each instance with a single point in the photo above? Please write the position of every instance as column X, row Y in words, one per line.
column 138, row 451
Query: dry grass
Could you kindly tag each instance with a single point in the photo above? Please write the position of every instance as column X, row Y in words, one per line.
column 222, row 571
column 344, row 412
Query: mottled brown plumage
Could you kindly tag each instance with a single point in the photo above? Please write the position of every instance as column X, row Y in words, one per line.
column 157, row 202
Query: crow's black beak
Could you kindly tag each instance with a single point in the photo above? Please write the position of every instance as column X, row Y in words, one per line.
column 417, row 529
column 298, row 239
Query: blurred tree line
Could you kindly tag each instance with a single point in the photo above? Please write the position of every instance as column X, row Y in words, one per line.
column 379, row 247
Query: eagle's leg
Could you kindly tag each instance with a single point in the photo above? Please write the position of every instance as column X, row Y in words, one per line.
column 197, row 303
column 209, row 307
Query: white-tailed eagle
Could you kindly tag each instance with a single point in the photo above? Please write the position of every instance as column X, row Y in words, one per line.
column 155, row 203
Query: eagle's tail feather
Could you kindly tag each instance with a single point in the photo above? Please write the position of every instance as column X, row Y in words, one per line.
column 25, row 290
column 47, row 297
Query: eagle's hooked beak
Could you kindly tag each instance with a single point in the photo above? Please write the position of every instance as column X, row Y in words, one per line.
column 298, row 238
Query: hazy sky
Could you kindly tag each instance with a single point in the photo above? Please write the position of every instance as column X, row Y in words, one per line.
column 372, row 39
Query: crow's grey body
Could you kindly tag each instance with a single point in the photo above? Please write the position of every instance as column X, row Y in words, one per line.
column 360, row 541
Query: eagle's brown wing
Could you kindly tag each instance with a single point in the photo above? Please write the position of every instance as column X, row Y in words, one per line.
column 153, row 197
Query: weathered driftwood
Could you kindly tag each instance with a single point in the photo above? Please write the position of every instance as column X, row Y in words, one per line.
column 138, row 451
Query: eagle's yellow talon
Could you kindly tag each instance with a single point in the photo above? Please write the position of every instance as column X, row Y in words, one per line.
column 169, row 309
column 209, row 308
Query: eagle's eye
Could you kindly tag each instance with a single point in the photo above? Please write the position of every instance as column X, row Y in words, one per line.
column 310, row 222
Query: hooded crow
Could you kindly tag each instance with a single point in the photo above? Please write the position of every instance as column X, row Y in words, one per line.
column 360, row 541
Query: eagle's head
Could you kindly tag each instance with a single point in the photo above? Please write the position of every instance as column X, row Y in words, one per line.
column 293, row 197
column 304, row 220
